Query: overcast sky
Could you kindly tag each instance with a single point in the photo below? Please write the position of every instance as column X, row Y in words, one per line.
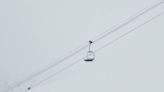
column 35, row 33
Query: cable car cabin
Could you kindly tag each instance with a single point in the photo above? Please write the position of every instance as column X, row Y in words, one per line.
column 90, row 56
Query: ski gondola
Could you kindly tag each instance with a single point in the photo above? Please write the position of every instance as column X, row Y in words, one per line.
column 90, row 54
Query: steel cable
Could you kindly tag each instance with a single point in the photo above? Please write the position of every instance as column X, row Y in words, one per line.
column 109, row 43
column 85, row 46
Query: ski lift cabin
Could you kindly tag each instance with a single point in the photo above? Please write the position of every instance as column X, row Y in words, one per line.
column 90, row 54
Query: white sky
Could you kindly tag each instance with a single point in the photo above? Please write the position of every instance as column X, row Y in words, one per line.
column 34, row 33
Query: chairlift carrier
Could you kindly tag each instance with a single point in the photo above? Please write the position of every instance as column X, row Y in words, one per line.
column 90, row 54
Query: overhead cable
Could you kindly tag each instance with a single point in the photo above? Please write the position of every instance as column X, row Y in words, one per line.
column 109, row 43
column 86, row 45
